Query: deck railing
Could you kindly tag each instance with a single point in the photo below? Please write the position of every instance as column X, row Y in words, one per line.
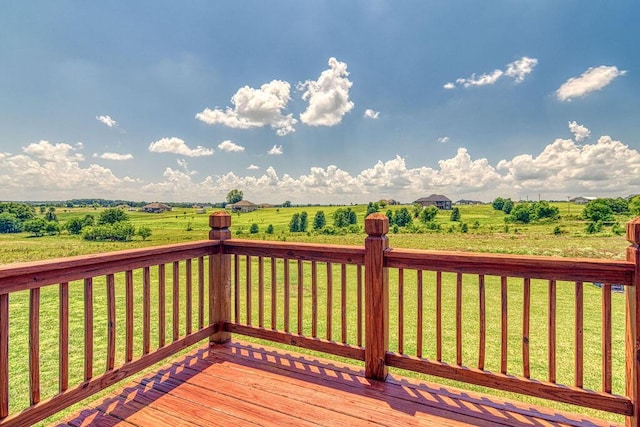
column 500, row 321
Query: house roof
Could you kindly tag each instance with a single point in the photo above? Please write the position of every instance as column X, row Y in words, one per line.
column 433, row 198
column 243, row 203
column 156, row 205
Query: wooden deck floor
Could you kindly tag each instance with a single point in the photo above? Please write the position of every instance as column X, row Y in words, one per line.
column 245, row 384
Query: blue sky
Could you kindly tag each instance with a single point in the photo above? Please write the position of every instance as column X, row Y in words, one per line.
column 319, row 102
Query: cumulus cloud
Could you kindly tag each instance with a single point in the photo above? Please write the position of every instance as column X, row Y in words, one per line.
column 517, row 70
column 328, row 96
column 276, row 150
column 177, row 146
column 443, row 140
column 579, row 132
column 230, row 146
column 107, row 121
column 595, row 78
column 255, row 108
column 113, row 156
column 253, row 167
column 370, row 114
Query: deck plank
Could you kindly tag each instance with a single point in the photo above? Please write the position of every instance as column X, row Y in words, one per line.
column 246, row 384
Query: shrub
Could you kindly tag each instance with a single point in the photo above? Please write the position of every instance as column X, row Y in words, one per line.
column 9, row 223
column 144, row 232
column 74, row 225
column 269, row 229
column 455, row 214
column 254, row 228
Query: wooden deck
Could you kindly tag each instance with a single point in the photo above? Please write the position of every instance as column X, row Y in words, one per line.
column 246, row 384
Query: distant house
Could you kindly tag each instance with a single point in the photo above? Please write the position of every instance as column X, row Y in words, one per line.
column 582, row 200
column 390, row 202
column 156, row 207
column 242, row 206
column 437, row 200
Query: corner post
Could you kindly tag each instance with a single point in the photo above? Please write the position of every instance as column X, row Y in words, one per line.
column 632, row 341
column 376, row 226
column 219, row 278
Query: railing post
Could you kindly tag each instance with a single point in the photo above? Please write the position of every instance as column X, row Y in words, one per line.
column 376, row 225
column 219, row 278
column 632, row 294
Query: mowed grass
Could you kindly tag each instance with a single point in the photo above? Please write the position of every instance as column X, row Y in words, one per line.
column 487, row 233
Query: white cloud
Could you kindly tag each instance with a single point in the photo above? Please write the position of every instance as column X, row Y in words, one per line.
column 52, row 152
column 255, row 108
column 253, row 167
column 107, row 121
column 370, row 114
column 230, row 146
column 518, row 70
column 113, row 156
column 177, row 146
column 328, row 96
column 443, row 140
column 595, row 78
column 276, row 150
column 579, row 132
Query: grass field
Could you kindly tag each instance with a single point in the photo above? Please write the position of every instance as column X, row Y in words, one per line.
column 487, row 233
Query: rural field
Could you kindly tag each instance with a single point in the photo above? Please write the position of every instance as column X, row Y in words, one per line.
column 486, row 232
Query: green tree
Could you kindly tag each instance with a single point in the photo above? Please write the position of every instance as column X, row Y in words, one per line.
column 74, row 225
column 88, row 220
column 403, row 217
column 269, row 229
column 144, row 232
column 390, row 216
column 371, row 208
column 542, row 210
column 51, row 214
column 498, row 203
column 294, row 224
column 286, row 204
column 234, row 196
column 521, row 213
column 52, row 228
column 319, row 220
column 304, row 221
column 455, row 214
column 429, row 214
column 254, row 229
column 634, row 205
column 9, row 223
column 112, row 216
column 35, row 226
column 597, row 210
column 507, row 206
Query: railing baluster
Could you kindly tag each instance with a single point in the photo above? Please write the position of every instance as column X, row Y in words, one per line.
column 439, row 316
column 146, row 310
column 343, row 302
column 483, row 321
column 419, row 324
column 274, row 288
column 401, row 310
column 504, row 325
column 161, row 305
column 459, row 319
column 4, row 355
column 359, row 305
column 329, row 299
column 261, row 292
column 200, row 292
column 236, row 287
column 189, row 296
column 88, row 329
column 314, row 299
column 526, row 323
column 248, row 284
column 286, row 295
column 63, row 339
column 552, row 331
column 129, row 315
column 111, row 321
column 300, row 295
column 34, row 345
column 606, row 337
column 175, row 311
column 579, row 339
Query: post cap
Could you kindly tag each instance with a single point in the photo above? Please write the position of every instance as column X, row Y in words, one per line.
column 220, row 219
column 633, row 231
column 376, row 224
